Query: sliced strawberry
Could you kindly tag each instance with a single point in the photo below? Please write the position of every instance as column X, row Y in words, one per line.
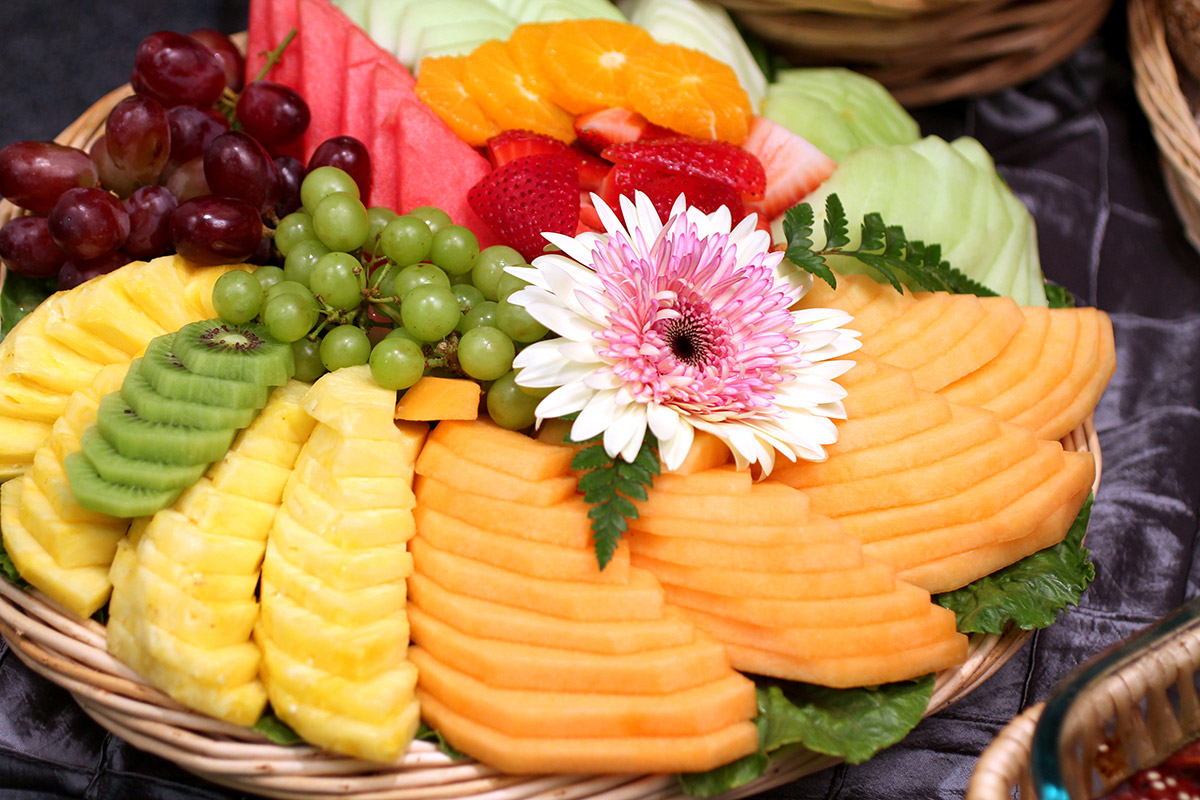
column 527, row 196
column 703, row 158
column 592, row 170
column 794, row 167
column 596, row 130
column 589, row 218
column 664, row 186
column 512, row 144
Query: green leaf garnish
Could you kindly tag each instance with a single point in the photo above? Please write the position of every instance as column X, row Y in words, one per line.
column 608, row 484
column 276, row 729
column 9, row 570
column 853, row 724
column 19, row 296
column 1059, row 296
column 428, row 734
column 884, row 248
column 1030, row 593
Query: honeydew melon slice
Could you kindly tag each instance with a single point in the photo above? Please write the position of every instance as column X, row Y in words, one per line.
column 459, row 38
column 358, row 11
column 553, row 10
column 384, row 21
column 419, row 17
column 906, row 188
column 867, row 106
column 703, row 26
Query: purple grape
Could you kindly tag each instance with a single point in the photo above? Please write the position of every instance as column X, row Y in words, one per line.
column 349, row 155
column 187, row 180
column 88, row 223
column 192, row 129
column 272, row 113
column 216, row 230
column 74, row 273
column 27, row 249
column 179, row 70
column 111, row 177
column 236, row 165
column 149, row 210
column 291, row 175
column 34, row 174
column 138, row 137
column 226, row 52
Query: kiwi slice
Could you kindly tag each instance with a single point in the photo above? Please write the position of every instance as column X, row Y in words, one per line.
column 171, row 379
column 245, row 352
column 134, row 437
column 154, row 407
column 116, row 468
column 116, row 499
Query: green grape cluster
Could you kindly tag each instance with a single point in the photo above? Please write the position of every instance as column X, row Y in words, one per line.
column 408, row 294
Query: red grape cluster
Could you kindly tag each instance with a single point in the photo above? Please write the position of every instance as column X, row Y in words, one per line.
column 172, row 171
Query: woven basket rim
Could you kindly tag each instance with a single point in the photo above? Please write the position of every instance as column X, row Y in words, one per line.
column 71, row 653
column 1172, row 121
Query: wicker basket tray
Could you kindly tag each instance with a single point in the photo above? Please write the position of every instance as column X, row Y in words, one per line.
column 1172, row 120
column 927, row 51
column 72, row 654
column 1124, row 710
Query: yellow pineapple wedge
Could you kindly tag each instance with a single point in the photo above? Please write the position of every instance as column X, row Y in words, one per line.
column 57, row 545
column 333, row 629
column 183, row 604
column 61, row 345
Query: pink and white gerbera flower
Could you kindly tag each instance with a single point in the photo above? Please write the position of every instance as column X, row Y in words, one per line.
column 682, row 326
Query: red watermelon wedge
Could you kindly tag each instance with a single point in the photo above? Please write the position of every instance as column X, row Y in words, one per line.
column 270, row 23
column 382, row 140
column 323, row 33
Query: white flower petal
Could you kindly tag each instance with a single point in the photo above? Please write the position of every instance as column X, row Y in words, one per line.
column 564, row 322
column 566, row 399
column 674, row 450
column 625, row 435
column 663, row 421
column 595, row 416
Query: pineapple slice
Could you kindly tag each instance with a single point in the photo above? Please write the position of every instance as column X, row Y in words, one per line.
column 22, row 399
column 158, row 287
column 70, row 544
column 343, row 568
column 182, row 540
column 19, row 441
column 209, row 624
column 103, row 309
column 61, row 326
column 374, row 527
column 226, row 513
column 338, row 606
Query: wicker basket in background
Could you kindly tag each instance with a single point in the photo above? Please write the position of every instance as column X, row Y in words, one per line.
column 1172, row 120
column 926, row 51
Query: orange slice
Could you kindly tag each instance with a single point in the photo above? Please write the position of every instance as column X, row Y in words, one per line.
column 527, row 44
column 511, row 98
column 588, row 61
column 440, row 86
column 690, row 92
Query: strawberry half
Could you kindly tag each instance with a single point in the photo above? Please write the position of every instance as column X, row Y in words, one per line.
column 794, row 166
column 527, row 196
column 516, row 143
column 664, row 186
column 596, row 130
column 702, row 158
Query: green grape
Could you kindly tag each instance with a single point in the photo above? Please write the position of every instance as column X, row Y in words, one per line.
column 415, row 275
column 268, row 276
column 322, row 182
column 289, row 316
column 480, row 315
column 299, row 262
column 340, row 221
column 468, row 296
column 306, row 353
column 507, row 285
column 462, row 279
column 292, row 229
column 288, row 287
column 517, row 323
column 454, row 249
column 345, row 346
column 508, row 406
column 401, row 333
column 397, row 363
column 337, row 278
column 489, row 266
column 537, row 392
column 433, row 216
column 237, row 296
column 430, row 312
column 485, row 353
column 377, row 219
column 406, row 240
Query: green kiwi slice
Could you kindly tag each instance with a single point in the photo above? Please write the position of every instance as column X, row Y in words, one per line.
column 116, row 468
column 245, row 352
column 116, row 499
column 171, row 378
column 134, row 437
column 151, row 406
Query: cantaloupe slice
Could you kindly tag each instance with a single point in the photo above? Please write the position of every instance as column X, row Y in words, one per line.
column 794, row 556
column 815, row 529
column 868, row 578
column 961, row 315
column 769, row 503
column 1009, row 367
column 873, row 430
column 914, row 319
column 635, row 754
column 978, row 346
column 852, row 293
column 503, row 450
column 461, row 473
column 432, row 398
column 565, row 523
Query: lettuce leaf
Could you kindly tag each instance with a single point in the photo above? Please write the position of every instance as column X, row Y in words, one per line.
column 19, row 296
column 1031, row 592
column 8, row 570
column 428, row 734
column 275, row 729
column 853, row 724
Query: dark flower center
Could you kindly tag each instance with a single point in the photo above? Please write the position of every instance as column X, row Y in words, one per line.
column 690, row 339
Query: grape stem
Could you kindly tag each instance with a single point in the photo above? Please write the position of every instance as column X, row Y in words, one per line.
column 274, row 55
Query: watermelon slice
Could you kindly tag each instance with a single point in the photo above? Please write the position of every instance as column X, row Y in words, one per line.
column 270, row 23
column 385, row 130
column 258, row 34
column 324, row 30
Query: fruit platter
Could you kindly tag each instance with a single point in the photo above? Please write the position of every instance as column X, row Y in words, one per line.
column 556, row 403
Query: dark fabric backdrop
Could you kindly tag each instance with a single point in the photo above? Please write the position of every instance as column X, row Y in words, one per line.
column 1074, row 145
